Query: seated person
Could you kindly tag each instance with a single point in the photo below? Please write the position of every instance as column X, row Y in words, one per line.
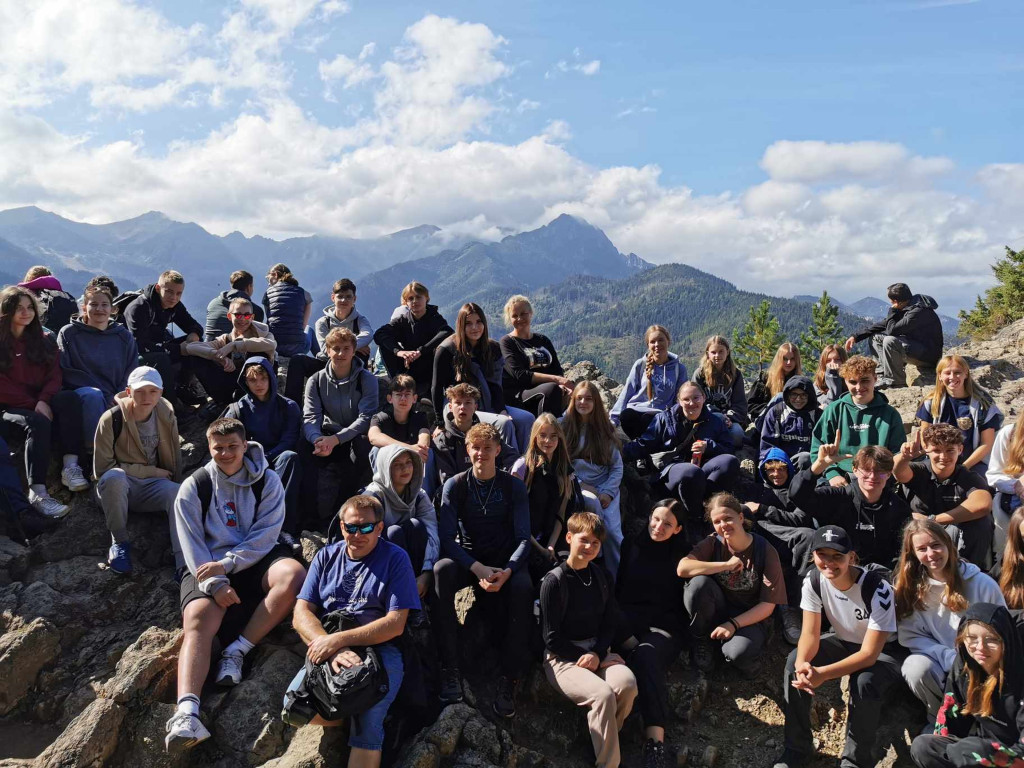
column 484, row 528
column 859, row 418
column 96, row 356
column 734, row 583
column 980, row 721
column 224, row 356
column 578, row 620
column 401, row 424
column 869, row 507
column 946, row 491
column 148, row 316
column 1006, row 474
column 828, row 384
column 789, row 424
column 229, row 539
column 533, row 377
column 343, row 314
column 959, row 401
column 651, row 385
column 722, row 384
column 449, row 456
column 137, row 463
column 859, row 606
column 910, row 332
column 19, row 521
column 371, row 578
column 56, row 306
column 767, row 389
column 408, row 342
column 217, row 321
column 410, row 520
column 340, row 401
column 275, row 422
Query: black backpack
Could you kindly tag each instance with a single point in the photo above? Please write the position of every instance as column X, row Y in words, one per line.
column 204, row 487
column 871, row 583
column 57, row 308
column 760, row 552
column 123, row 300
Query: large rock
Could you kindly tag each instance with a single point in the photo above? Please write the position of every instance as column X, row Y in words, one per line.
column 142, row 745
column 313, row 747
column 13, row 560
column 153, row 655
column 23, row 652
column 90, row 739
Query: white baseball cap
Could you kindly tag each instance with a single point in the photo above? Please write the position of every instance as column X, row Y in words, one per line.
column 145, row 376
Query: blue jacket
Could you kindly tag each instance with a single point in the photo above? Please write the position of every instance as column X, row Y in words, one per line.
column 666, row 381
column 285, row 304
column 786, row 428
column 672, row 431
column 776, row 505
column 274, row 424
column 90, row 357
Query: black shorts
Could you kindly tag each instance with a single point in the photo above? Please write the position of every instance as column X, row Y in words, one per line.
column 248, row 583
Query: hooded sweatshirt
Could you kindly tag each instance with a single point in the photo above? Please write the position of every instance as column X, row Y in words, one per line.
column 671, row 432
column 274, row 424
column 94, row 358
column 729, row 400
column 127, row 452
column 994, row 740
column 450, row 456
column 776, row 504
column 355, row 322
column 217, row 321
column 413, row 501
column 341, row 407
column 932, row 631
column 147, row 319
column 404, row 332
column 787, row 428
column 665, row 380
column 236, row 534
column 916, row 321
column 24, row 383
column 877, row 423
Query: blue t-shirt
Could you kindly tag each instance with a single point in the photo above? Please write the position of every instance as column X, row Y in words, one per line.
column 370, row 588
column 957, row 411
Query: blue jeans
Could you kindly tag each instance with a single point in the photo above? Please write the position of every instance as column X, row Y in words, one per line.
column 522, row 421
column 366, row 731
column 93, row 406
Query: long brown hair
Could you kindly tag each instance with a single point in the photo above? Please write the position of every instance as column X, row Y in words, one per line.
column 727, row 375
column 1011, row 578
column 599, row 439
column 39, row 349
column 560, row 463
column 980, row 684
column 282, row 274
column 649, row 367
column 1015, row 458
column 776, row 376
column 911, row 582
column 819, row 375
column 971, row 389
column 463, row 361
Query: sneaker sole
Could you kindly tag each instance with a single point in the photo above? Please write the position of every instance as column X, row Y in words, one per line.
column 506, row 715
column 177, row 745
column 226, row 681
column 446, row 701
column 118, row 571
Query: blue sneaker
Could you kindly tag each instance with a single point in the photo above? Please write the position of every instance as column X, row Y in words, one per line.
column 119, row 558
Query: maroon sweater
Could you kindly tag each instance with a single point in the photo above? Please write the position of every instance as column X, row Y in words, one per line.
column 24, row 384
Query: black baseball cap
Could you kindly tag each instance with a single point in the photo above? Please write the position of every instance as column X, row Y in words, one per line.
column 832, row 537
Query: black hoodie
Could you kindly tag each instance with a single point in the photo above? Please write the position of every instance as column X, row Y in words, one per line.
column 917, row 321
column 405, row 333
column 997, row 739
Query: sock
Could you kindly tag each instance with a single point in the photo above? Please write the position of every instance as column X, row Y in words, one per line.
column 70, row 460
column 240, row 647
column 39, row 489
column 189, row 704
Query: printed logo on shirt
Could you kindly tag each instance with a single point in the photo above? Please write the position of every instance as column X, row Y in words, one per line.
column 538, row 357
column 231, row 514
column 965, row 423
column 860, row 427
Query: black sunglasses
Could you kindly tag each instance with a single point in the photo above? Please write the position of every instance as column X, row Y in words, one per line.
column 354, row 528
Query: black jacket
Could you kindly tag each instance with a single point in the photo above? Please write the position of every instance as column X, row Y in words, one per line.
column 916, row 321
column 404, row 333
column 147, row 319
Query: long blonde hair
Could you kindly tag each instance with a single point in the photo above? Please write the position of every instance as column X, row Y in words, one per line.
column 971, row 389
column 598, row 434
column 1011, row 577
column 727, row 375
column 559, row 463
column 980, row 684
column 649, row 367
column 1015, row 461
column 911, row 582
column 776, row 376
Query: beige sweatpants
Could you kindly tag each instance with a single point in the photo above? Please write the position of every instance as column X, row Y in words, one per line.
column 608, row 695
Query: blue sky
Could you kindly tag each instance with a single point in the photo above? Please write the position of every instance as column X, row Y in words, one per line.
column 841, row 142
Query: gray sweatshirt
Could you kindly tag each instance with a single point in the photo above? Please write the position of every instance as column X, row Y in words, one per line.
column 236, row 534
column 355, row 322
column 341, row 407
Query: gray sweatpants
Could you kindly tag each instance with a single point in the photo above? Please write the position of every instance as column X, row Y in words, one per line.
column 119, row 492
column 893, row 353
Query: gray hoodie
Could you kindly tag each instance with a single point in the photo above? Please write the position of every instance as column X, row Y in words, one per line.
column 355, row 322
column 341, row 407
column 236, row 534
column 413, row 503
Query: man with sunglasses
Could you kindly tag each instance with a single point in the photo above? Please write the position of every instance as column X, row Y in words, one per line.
column 217, row 321
column 372, row 579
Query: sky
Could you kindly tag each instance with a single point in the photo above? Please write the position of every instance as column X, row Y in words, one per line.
column 787, row 147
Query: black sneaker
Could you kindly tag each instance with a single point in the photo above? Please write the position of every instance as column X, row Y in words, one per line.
column 792, row 623
column 791, row 759
column 291, row 542
column 505, row 697
column 703, row 655
column 653, row 754
column 451, row 685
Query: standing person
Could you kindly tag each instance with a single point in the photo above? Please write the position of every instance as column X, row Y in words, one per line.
column 734, row 583
column 767, row 390
column 578, row 621
column 96, row 356
column 56, row 306
column 32, row 403
column 533, row 377
column 148, row 316
column 651, row 385
column 934, row 588
column 594, row 448
column 217, row 321
column 981, row 721
column 722, row 383
column 343, row 314
column 959, row 401
column 228, row 514
column 1006, row 474
column 484, row 526
column 859, row 607
column 470, row 356
column 828, row 384
column 138, row 463
column 288, row 307
column 408, row 342
column 910, row 332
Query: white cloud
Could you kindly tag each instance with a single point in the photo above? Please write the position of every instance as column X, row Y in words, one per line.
column 527, row 105
column 586, row 68
column 819, row 161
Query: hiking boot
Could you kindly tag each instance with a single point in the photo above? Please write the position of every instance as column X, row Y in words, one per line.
column 451, row 685
column 703, row 652
column 792, row 623
column 653, row 754
column 291, row 542
column 73, row 478
column 229, row 671
column 47, row 505
column 505, row 697
column 184, row 731
column 790, row 759
column 119, row 558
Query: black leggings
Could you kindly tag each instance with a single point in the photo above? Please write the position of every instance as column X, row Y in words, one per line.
column 543, row 398
column 37, row 432
column 635, row 423
column 650, row 662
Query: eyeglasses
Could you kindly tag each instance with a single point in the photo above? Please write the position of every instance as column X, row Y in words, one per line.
column 869, row 473
column 353, row 528
column 244, row 315
column 988, row 642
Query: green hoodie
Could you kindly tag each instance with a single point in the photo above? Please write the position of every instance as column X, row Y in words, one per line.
column 878, row 423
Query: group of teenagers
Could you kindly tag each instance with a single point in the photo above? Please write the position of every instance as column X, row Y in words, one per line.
column 487, row 468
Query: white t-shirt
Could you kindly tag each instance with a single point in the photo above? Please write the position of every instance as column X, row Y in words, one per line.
column 846, row 611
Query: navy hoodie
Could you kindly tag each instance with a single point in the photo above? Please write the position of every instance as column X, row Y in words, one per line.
column 789, row 429
column 90, row 357
column 275, row 424
column 672, row 431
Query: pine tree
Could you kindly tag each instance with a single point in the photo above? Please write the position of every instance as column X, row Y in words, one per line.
column 756, row 342
column 824, row 329
column 1003, row 303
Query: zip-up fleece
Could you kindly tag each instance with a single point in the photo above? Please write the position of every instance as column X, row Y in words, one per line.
column 665, row 381
column 355, row 322
column 127, row 452
column 341, row 407
column 878, row 423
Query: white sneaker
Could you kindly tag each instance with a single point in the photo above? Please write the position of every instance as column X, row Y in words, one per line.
column 73, row 478
column 47, row 505
column 184, row 731
column 229, row 671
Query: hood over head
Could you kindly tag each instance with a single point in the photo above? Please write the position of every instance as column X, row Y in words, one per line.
column 265, row 365
column 799, row 381
column 1000, row 620
column 775, row 454
column 382, row 477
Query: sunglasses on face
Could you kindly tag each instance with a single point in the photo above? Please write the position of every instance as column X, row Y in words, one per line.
column 244, row 315
column 354, row 528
